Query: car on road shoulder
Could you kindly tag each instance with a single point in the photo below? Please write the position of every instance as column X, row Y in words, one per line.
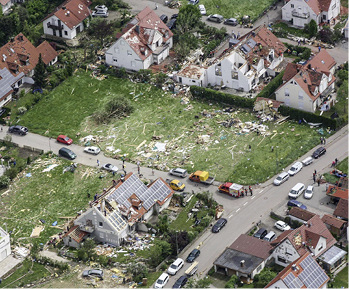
column 162, row 280
column 282, row 226
column 110, row 168
column 307, row 161
column 308, row 193
column 172, row 23
column 181, row 281
column 283, row 177
column 67, row 153
column 215, row 18
column 231, row 21
column 193, row 255
column 295, row 203
column 175, row 266
column 296, row 167
column 219, row 225
column 319, row 152
column 164, row 18
column 92, row 150
column 261, row 233
column 101, row 8
column 202, row 9
column 93, row 273
column 18, row 129
column 296, row 191
column 177, row 185
column 64, row 139
column 179, row 172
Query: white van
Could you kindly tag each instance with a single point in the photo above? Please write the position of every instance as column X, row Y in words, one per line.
column 296, row 191
column 175, row 266
column 270, row 236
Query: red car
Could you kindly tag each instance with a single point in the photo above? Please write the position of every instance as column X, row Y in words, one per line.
column 64, row 139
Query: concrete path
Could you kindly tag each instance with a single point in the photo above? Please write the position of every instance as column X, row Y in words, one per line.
column 8, row 264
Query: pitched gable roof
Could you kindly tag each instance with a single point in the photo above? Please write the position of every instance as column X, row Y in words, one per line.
column 48, row 53
column 333, row 221
column 6, row 82
column 301, row 214
column 290, row 71
column 4, row 2
column 314, row 5
column 322, row 61
column 253, row 246
column 268, row 39
column 342, row 209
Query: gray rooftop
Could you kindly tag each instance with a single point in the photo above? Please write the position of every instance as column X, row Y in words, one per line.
column 332, row 255
column 7, row 80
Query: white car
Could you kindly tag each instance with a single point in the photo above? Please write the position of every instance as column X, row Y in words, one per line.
column 295, row 168
column 179, row 172
column 92, row 150
column 202, row 9
column 175, row 266
column 101, row 8
column 282, row 226
column 308, row 193
column 283, row 177
column 110, row 168
column 162, row 281
column 100, row 13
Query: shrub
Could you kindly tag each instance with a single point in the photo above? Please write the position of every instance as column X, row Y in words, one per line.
column 4, row 182
column 120, row 72
column 22, row 110
column 272, row 86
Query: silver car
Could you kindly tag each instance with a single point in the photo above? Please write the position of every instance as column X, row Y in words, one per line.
column 100, row 13
column 93, row 273
column 215, row 18
column 283, row 177
column 179, row 172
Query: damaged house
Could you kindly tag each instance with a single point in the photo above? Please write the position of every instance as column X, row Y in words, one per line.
column 145, row 40
column 254, row 56
column 119, row 210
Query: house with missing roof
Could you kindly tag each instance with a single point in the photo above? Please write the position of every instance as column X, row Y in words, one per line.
column 119, row 209
column 301, row 12
column 254, row 56
column 145, row 40
column 313, row 237
column 337, row 227
column 66, row 21
column 5, row 5
column 5, row 245
column 304, row 272
column 246, row 257
column 308, row 87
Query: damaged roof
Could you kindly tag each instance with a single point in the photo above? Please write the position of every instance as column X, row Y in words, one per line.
column 48, row 53
column 192, row 71
column 333, row 221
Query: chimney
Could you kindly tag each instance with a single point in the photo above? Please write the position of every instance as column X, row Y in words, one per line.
column 309, row 66
column 294, row 267
column 102, row 206
column 305, row 81
column 20, row 38
column 63, row 8
column 137, row 29
column 242, row 263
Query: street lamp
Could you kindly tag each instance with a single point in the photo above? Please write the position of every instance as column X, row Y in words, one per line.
column 176, row 244
column 49, row 143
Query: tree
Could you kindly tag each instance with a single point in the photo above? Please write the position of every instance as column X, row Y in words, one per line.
column 262, row 279
column 312, row 28
column 202, row 283
column 101, row 29
column 86, row 252
column 163, row 224
column 326, row 35
column 159, row 252
column 138, row 271
column 188, row 18
column 40, row 73
column 178, row 240
column 160, row 79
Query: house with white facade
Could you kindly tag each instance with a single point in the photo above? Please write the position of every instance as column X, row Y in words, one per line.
column 145, row 40
column 5, row 245
column 5, row 5
column 8, row 84
column 66, row 21
column 254, row 56
column 119, row 210
column 245, row 258
column 304, row 272
column 301, row 12
column 312, row 237
column 308, row 87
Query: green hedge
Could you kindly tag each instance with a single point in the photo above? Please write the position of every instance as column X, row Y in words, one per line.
column 272, row 86
column 213, row 95
column 297, row 114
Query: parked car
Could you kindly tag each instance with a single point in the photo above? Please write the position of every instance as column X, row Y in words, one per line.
column 101, row 8
column 319, row 152
column 175, row 266
column 231, row 21
column 110, row 168
column 282, row 226
column 164, row 18
column 202, row 9
column 18, row 129
column 172, row 23
column 64, row 139
column 307, row 161
column 261, row 233
column 308, row 194
column 219, row 225
column 92, row 150
column 67, row 153
column 296, row 167
column 296, row 191
column 193, row 255
column 215, row 18
column 162, row 280
column 295, row 203
column 93, row 273
column 270, row 236
column 193, row 2
column 100, row 13
column 174, row 16
column 179, row 172
column 181, row 281
column 283, row 177
column 177, row 185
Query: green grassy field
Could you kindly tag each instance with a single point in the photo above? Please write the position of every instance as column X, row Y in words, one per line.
column 341, row 279
column 236, row 8
column 224, row 151
column 342, row 166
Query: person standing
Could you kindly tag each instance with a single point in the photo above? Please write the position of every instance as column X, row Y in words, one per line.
column 97, row 163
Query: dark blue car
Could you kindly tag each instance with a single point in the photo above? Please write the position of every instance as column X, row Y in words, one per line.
column 295, row 203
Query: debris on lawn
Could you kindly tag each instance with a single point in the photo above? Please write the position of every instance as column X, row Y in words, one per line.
column 21, row 252
column 36, row 231
column 50, row 167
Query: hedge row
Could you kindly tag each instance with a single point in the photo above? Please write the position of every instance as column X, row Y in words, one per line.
column 213, row 95
column 273, row 85
column 297, row 115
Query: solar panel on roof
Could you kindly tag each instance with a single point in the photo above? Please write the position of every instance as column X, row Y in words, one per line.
column 117, row 221
column 312, row 275
column 251, row 43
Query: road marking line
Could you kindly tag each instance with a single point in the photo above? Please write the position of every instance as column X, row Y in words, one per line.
column 252, row 198
column 230, row 216
column 245, row 204
column 261, row 191
column 237, row 210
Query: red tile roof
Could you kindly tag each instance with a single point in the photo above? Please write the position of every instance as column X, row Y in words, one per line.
column 333, row 221
column 322, row 61
column 337, row 192
column 267, row 38
column 342, row 209
column 76, row 234
column 47, row 52
column 324, row 4
column 301, row 214
column 290, row 71
column 314, row 5
column 252, row 245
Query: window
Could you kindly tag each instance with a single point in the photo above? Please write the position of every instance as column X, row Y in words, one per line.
column 129, row 52
column 334, row 6
column 133, row 64
column 259, row 268
column 116, row 50
column 282, row 260
column 101, row 235
column 180, row 79
column 48, row 24
column 193, row 81
column 300, row 95
column 115, row 60
column 292, row 5
column 288, row 252
column 65, row 32
column 287, row 92
column 100, row 224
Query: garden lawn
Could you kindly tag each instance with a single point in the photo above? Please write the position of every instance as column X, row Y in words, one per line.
column 341, row 279
column 342, row 166
column 237, row 8
column 283, row 27
column 193, row 136
column 47, row 196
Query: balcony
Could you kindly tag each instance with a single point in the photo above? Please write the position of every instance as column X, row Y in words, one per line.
column 87, row 228
column 297, row 14
column 54, row 27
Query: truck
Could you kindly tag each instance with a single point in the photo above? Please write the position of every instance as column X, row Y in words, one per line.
column 201, row 177
column 192, row 269
column 232, row 189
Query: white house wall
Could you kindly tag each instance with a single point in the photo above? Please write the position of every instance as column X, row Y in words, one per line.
column 6, row 7
column 67, row 33
column 157, row 41
column 286, row 251
column 5, row 247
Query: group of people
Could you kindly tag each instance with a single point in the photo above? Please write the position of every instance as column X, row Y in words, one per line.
column 244, row 192
column 322, row 140
column 334, row 163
